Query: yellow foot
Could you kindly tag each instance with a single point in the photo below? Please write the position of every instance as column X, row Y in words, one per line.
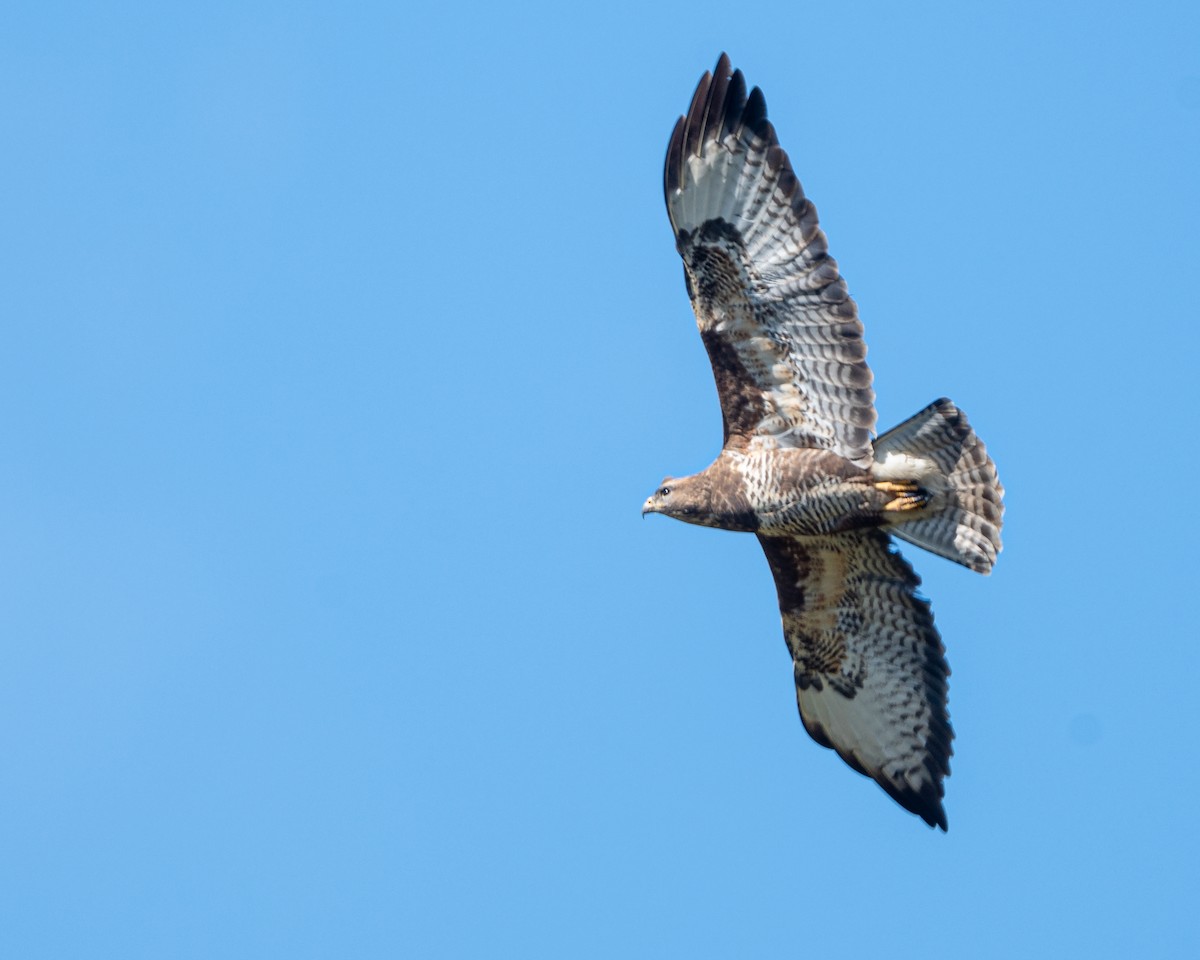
column 911, row 496
column 903, row 486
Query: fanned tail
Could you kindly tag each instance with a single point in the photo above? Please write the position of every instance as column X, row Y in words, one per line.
column 938, row 450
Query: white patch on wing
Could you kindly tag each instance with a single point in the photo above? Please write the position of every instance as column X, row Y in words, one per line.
column 866, row 735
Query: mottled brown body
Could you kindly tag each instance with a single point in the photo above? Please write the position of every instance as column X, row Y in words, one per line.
column 809, row 493
column 776, row 492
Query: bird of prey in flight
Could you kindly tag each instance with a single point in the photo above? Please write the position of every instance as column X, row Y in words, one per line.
column 798, row 466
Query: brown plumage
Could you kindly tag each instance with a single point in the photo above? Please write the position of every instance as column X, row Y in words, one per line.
column 798, row 466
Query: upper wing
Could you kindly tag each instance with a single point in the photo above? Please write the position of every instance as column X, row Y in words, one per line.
column 781, row 331
column 870, row 667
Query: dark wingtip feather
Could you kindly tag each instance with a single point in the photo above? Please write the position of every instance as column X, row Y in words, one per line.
column 720, row 106
column 694, row 123
column 925, row 803
column 715, row 111
column 673, row 168
column 714, row 102
column 754, row 114
column 735, row 102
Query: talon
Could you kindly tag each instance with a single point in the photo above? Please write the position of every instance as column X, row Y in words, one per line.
column 908, row 502
column 903, row 486
column 911, row 496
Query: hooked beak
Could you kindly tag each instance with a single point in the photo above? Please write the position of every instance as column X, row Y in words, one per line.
column 649, row 507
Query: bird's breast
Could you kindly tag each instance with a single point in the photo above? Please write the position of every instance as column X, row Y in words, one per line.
column 804, row 492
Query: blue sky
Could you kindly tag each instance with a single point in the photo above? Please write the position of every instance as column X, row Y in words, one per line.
column 342, row 344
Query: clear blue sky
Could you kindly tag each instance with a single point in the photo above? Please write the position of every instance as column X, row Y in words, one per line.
column 340, row 348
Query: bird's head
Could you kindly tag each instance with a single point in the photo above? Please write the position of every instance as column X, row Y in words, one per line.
column 680, row 497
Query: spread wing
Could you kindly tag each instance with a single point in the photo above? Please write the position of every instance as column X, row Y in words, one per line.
column 782, row 333
column 870, row 666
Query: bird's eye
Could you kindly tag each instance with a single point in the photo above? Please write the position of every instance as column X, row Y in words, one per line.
column 665, row 491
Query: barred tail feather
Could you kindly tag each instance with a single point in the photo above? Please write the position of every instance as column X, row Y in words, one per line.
column 938, row 449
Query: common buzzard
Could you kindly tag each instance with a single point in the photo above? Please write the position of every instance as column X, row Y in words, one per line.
column 798, row 467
